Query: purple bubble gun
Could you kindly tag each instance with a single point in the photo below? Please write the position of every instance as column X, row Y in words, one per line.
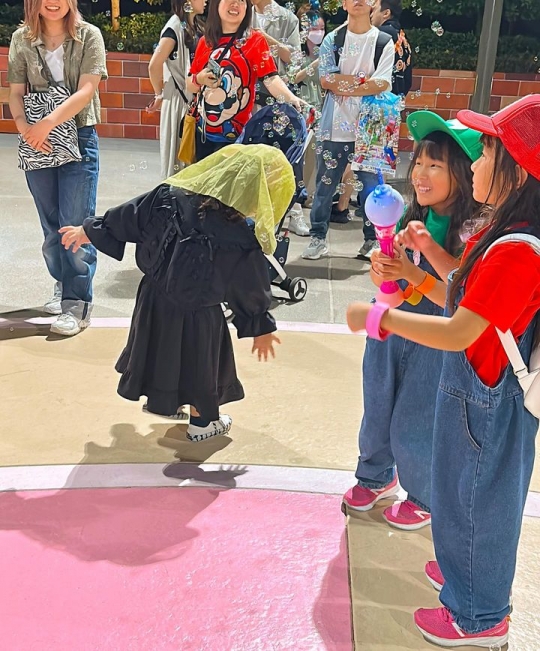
column 384, row 208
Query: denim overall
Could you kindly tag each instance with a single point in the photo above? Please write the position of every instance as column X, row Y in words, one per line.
column 400, row 380
column 483, row 456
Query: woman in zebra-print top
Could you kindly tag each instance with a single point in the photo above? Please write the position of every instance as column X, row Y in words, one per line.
column 55, row 43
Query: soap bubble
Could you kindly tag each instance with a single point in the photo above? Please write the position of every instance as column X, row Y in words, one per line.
column 326, row 180
column 120, row 46
column 419, row 11
column 143, row 165
column 132, row 168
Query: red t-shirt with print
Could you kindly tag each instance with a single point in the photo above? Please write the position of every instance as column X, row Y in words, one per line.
column 504, row 289
column 227, row 109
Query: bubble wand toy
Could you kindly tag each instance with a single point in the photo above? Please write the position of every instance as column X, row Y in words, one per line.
column 384, row 208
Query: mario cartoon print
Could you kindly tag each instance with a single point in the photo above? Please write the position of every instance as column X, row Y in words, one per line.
column 224, row 105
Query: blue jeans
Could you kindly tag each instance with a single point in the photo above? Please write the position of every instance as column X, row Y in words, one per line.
column 66, row 196
column 369, row 181
column 322, row 200
column 483, row 456
column 400, row 380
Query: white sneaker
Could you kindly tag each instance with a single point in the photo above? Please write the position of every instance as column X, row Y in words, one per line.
column 315, row 249
column 367, row 249
column 214, row 428
column 54, row 305
column 297, row 224
column 68, row 325
column 180, row 415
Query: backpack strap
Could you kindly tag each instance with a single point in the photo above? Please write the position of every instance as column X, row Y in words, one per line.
column 507, row 338
column 382, row 41
column 339, row 41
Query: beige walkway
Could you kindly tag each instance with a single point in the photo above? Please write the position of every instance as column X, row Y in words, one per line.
column 60, row 407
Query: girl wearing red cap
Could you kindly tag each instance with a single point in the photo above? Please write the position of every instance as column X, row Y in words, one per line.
column 483, row 451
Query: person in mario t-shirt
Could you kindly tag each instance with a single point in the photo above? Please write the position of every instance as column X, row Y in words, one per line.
column 226, row 98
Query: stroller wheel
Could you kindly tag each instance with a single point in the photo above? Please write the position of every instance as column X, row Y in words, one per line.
column 297, row 289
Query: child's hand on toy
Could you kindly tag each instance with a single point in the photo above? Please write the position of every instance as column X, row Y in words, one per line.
column 357, row 315
column 414, row 236
column 394, row 268
column 264, row 345
column 73, row 236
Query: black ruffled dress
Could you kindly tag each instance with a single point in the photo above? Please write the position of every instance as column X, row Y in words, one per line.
column 179, row 350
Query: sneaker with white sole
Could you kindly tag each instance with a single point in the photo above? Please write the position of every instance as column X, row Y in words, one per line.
column 407, row 516
column 438, row 626
column 297, row 224
column 180, row 415
column 68, row 325
column 360, row 498
column 214, row 428
column 54, row 304
column 434, row 575
column 367, row 248
column 315, row 249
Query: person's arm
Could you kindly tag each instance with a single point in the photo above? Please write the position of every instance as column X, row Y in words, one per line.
column 401, row 268
column 455, row 334
column 16, row 106
column 199, row 76
column 279, row 89
column 416, row 237
column 284, row 52
column 124, row 223
column 163, row 51
column 305, row 72
column 352, row 86
column 93, row 69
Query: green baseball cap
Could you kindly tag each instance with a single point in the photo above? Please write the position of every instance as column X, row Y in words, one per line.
column 422, row 123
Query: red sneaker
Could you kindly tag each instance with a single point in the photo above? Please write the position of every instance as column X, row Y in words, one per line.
column 406, row 515
column 434, row 575
column 438, row 626
column 360, row 498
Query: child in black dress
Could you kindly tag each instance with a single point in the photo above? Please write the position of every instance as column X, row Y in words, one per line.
column 197, row 251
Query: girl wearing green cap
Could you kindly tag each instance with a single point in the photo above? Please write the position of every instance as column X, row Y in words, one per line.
column 197, row 251
column 399, row 377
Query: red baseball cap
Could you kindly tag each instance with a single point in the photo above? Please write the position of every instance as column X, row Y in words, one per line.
column 518, row 128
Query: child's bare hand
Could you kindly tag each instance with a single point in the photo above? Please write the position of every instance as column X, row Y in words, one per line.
column 415, row 236
column 357, row 315
column 394, row 268
column 264, row 345
column 73, row 236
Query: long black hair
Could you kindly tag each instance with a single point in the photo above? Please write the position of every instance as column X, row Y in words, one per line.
column 213, row 31
column 442, row 147
column 192, row 32
column 312, row 16
column 518, row 203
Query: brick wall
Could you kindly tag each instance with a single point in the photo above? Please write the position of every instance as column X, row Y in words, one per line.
column 448, row 91
column 128, row 91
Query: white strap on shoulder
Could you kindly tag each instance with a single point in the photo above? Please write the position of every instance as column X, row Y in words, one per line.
column 507, row 338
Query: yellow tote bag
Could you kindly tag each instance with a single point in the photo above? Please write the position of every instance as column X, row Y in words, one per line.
column 186, row 151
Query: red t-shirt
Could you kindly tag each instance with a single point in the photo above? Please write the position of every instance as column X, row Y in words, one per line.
column 504, row 289
column 227, row 109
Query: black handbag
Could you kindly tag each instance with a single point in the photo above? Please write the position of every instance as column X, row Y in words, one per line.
column 63, row 138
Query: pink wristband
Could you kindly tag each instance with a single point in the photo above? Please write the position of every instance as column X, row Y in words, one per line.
column 373, row 321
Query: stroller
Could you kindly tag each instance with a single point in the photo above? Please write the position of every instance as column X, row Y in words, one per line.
column 282, row 126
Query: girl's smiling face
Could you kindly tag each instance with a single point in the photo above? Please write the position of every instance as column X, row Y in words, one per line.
column 53, row 10
column 232, row 13
column 433, row 183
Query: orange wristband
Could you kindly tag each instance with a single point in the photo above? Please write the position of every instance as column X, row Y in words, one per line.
column 411, row 295
column 427, row 284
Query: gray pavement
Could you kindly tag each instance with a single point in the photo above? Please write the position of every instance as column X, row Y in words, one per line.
column 129, row 168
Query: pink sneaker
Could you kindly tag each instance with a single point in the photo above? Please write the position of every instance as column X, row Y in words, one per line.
column 434, row 575
column 438, row 626
column 360, row 498
column 406, row 515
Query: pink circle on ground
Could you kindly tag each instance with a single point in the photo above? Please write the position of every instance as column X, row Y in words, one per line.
column 183, row 569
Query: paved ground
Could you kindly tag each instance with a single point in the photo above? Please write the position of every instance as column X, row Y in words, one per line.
column 117, row 534
column 129, row 168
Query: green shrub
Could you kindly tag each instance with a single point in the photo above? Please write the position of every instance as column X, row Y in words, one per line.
column 138, row 33
column 11, row 15
column 460, row 51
